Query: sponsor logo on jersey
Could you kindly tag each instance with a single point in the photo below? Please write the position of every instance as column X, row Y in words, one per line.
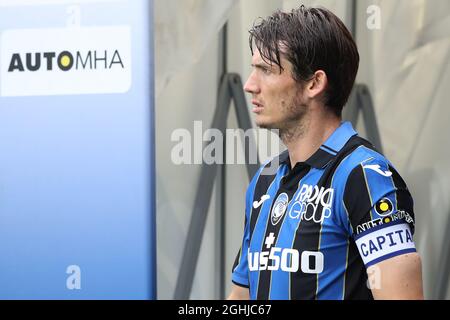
column 257, row 204
column 384, row 207
column 279, row 208
column 377, row 169
column 285, row 259
column 312, row 204
column 399, row 215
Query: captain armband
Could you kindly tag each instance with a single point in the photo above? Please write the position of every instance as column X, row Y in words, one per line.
column 385, row 241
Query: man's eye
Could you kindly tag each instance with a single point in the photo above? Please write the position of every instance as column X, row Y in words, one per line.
column 266, row 71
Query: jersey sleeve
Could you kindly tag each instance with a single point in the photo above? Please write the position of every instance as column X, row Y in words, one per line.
column 380, row 212
column 240, row 266
column 239, row 274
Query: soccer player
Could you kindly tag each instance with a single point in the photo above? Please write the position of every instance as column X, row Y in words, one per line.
column 336, row 220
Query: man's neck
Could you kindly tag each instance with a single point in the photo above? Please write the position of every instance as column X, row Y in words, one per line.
column 304, row 140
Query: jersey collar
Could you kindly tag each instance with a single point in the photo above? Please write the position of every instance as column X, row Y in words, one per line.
column 329, row 149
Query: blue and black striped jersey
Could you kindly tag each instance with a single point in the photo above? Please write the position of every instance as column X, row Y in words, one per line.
column 311, row 231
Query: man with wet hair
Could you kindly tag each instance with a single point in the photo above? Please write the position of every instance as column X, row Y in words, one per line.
column 336, row 220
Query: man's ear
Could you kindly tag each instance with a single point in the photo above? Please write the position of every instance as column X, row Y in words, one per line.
column 317, row 85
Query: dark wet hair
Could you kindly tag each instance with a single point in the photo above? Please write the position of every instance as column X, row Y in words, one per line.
column 311, row 39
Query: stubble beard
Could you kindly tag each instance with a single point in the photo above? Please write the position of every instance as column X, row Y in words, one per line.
column 297, row 121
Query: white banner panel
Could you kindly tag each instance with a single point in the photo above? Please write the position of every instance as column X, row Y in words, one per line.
column 62, row 61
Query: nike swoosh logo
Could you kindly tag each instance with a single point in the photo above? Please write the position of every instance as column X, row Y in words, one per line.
column 256, row 204
column 377, row 169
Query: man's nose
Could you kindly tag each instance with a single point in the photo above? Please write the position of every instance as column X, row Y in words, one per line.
column 251, row 85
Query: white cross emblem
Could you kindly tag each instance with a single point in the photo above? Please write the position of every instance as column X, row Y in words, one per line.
column 270, row 240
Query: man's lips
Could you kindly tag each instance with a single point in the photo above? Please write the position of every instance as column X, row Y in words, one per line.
column 257, row 107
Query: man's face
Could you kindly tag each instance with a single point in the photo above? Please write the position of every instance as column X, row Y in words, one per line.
column 276, row 97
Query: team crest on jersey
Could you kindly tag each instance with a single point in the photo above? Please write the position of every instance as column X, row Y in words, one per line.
column 279, row 208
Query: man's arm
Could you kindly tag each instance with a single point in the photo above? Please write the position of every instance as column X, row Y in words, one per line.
column 379, row 210
column 239, row 293
column 397, row 278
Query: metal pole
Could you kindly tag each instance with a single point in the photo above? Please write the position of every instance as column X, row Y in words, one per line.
column 230, row 87
column 353, row 18
column 222, row 185
column 370, row 119
column 201, row 205
column 244, row 123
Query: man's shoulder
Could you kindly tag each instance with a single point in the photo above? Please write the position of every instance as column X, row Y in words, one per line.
column 366, row 158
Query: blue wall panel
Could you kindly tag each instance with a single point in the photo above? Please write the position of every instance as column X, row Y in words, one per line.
column 76, row 169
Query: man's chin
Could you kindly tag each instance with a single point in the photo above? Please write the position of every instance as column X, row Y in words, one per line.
column 265, row 125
